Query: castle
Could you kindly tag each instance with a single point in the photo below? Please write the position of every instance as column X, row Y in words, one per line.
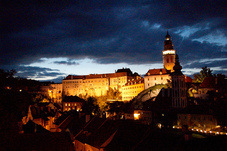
column 128, row 83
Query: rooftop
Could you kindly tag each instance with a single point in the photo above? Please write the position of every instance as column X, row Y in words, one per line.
column 156, row 72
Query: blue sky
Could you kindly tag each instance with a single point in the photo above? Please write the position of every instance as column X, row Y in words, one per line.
column 49, row 40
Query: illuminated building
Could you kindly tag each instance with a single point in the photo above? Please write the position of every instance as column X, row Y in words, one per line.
column 143, row 115
column 162, row 76
column 156, row 76
column 132, row 88
column 168, row 53
column 208, row 85
column 53, row 92
column 96, row 84
column 72, row 103
column 200, row 121
column 179, row 94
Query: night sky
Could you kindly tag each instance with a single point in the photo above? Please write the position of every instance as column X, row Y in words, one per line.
column 47, row 40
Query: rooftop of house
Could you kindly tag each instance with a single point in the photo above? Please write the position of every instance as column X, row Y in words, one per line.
column 157, row 72
column 118, row 73
column 73, row 99
column 188, row 79
column 135, row 81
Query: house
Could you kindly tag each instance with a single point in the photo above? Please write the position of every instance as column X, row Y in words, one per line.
column 72, row 103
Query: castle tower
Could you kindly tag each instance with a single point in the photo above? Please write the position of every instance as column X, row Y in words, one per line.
column 179, row 94
column 168, row 53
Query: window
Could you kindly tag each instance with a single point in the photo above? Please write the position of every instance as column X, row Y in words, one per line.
column 65, row 104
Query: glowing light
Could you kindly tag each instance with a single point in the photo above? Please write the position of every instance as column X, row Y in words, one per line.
column 20, row 90
column 217, row 132
column 159, row 125
column 205, row 131
column 192, row 129
column 201, row 130
column 136, row 116
column 174, row 126
column 165, row 52
column 197, row 130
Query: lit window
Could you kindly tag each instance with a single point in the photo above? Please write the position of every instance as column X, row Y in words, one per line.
column 65, row 104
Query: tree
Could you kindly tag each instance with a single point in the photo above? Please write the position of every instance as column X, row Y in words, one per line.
column 205, row 72
column 113, row 94
column 90, row 106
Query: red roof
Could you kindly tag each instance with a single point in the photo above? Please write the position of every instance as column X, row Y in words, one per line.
column 136, row 81
column 94, row 76
column 156, row 72
column 188, row 79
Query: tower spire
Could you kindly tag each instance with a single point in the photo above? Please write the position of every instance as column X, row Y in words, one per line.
column 168, row 53
column 177, row 68
column 168, row 45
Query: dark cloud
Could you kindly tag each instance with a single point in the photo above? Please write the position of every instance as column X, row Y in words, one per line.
column 67, row 62
column 110, row 31
column 37, row 72
column 55, row 80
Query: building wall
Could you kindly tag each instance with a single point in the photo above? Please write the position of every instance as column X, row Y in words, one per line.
column 53, row 92
column 67, row 106
column 169, row 61
column 132, row 90
column 200, row 121
column 94, row 85
column 202, row 93
column 144, row 116
column 179, row 94
column 152, row 80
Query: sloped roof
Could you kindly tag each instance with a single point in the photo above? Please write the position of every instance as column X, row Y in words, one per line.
column 31, row 127
column 156, row 72
column 188, row 79
column 94, row 76
column 108, row 133
column 129, row 134
column 73, row 99
column 135, row 81
column 93, row 125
